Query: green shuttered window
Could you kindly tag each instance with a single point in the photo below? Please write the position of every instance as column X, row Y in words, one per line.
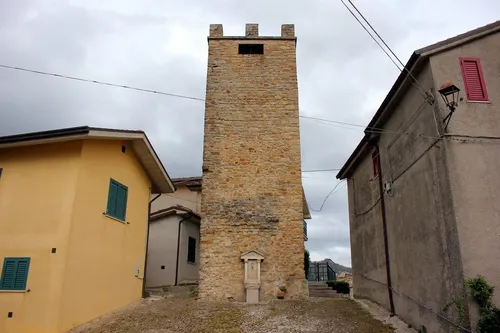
column 14, row 273
column 117, row 200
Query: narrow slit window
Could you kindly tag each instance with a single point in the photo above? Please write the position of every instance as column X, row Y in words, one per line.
column 251, row 48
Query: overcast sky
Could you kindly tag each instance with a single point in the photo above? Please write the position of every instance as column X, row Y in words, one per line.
column 162, row 45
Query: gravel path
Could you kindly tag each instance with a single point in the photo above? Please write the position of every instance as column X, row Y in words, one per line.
column 182, row 315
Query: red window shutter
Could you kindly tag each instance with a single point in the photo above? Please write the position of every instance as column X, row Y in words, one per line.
column 472, row 73
column 376, row 171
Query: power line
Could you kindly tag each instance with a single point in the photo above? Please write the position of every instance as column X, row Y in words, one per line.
column 326, row 198
column 101, row 82
column 332, row 121
column 373, row 129
column 383, row 41
column 370, row 130
column 419, row 87
column 322, row 170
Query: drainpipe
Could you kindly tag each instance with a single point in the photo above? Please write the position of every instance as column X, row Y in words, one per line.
column 144, row 295
column 178, row 246
column 384, row 224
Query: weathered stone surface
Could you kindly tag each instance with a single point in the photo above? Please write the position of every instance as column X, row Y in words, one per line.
column 216, row 30
column 252, row 30
column 252, row 187
column 287, row 30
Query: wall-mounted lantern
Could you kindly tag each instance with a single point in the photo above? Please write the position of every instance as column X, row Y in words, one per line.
column 450, row 93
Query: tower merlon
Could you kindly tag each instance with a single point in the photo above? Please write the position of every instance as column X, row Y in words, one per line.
column 252, row 32
column 216, row 30
column 287, row 31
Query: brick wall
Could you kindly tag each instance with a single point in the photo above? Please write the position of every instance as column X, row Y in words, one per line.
column 252, row 187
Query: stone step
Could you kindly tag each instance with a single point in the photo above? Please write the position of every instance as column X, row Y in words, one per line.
column 322, row 289
column 324, row 294
column 318, row 287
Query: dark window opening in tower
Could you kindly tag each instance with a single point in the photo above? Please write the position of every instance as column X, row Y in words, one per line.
column 251, row 48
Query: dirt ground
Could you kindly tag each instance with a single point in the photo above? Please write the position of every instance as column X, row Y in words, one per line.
column 182, row 315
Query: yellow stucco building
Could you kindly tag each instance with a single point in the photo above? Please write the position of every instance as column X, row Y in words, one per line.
column 74, row 207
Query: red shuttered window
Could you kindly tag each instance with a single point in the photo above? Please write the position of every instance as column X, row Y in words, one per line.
column 473, row 79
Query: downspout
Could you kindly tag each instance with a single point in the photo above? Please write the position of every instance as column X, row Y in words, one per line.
column 178, row 247
column 144, row 295
column 384, row 224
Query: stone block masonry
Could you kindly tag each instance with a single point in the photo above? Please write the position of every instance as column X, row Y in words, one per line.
column 252, row 186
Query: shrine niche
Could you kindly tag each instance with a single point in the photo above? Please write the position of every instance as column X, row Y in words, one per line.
column 252, row 261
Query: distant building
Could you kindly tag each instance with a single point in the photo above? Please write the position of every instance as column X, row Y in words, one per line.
column 73, row 224
column 423, row 196
column 174, row 237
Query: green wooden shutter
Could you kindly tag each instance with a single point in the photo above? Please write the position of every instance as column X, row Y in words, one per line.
column 8, row 274
column 112, row 196
column 14, row 273
column 121, row 202
column 21, row 274
column 117, row 200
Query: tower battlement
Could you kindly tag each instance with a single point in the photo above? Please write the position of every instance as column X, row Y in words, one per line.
column 252, row 32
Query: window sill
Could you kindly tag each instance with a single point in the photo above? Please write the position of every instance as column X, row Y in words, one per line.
column 14, row 291
column 114, row 218
column 480, row 102
column 192, row 263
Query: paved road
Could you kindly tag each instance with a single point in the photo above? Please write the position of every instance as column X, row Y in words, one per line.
column 182, row 315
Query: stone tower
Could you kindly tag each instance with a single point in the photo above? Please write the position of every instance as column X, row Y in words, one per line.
column 252, row 197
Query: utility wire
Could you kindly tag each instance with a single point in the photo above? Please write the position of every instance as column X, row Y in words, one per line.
column 323, row 170
column 326, row 198
column 371, row 130
column 332, row 121
column 374, row 130
column 101, row 82
column 419, row 88
column 390, row 50
column 149, row 91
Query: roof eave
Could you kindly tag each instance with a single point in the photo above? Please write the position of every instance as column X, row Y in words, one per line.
column 352, row 160
column 162, row 184
column 174, row 210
